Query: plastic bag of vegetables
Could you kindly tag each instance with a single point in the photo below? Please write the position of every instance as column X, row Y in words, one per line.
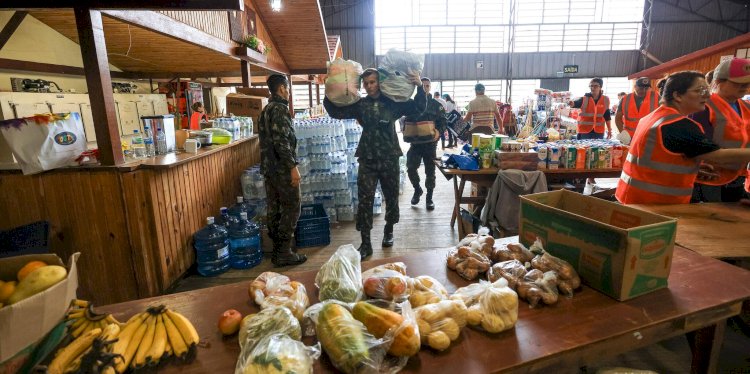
column 273, row 320
column 394, row 322
column 273, row 289
column 277, row 353
column 441, row 323
column 340, row 278
column 387, row 285
column 513, row 271
column 398, row 267
column 343, row 82
column 492, row 307
column 567, row 277
column 424, row 290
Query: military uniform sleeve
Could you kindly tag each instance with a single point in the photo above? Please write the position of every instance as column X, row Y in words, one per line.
column 344, row 112
column 412, row 107
column 280, row 133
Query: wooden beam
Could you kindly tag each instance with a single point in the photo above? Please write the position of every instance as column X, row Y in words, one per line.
column 169, row 75
column 245, row 71
column 291, row 97
column 11, row 27
column 126, row 4
column 38, row 67
column 96, row 66
column 309, row 71
column 309, row 94
column 317, row 93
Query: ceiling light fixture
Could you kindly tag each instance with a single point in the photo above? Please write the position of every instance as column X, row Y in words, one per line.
column 276, row 5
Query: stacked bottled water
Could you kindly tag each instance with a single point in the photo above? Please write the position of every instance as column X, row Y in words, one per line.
column 239, row 127
column 325, row 153
column 254, row 192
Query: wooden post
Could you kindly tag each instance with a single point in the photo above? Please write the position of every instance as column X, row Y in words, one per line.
column 309, row 93
column 291, row 96
column 99, row 84
column 245, row 70
column 317, row 93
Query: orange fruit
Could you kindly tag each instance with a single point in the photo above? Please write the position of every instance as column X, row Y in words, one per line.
column 7, row 289
column 29, row 267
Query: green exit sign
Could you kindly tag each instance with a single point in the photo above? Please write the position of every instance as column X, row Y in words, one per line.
column 570, row 69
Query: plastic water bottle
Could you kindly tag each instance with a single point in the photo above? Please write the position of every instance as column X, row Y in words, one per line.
column 242, row 206
column 161, row 142
column 224, row 218
column 211, row 249
column 148, row 141
column 136, row 144
column 244, row 243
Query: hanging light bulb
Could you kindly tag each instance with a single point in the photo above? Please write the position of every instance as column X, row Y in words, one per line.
column 276, row 5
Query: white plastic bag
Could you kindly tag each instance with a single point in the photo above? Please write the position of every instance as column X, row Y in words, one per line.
column 277, row 353
column 343, row 83
column 394, row 69
column 45, row 141
column 340, row 278
column 624, row 137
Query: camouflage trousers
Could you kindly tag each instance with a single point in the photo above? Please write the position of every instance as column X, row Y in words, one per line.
column 370, row 173
column 417, row 154
column 283, row 207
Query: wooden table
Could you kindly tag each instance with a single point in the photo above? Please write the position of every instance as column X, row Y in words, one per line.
column 486, row 177
column 711, row 229
column 702, row 294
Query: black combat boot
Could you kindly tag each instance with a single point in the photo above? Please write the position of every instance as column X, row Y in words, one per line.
column 417, row 194
column 430, row 204
column 388, row 235
column 284, row 256
column 365, row 249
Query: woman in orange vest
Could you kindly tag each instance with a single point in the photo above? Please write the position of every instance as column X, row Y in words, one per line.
column 595, row 112
column 197, row 116
column 636, row 105
column 668, row 147
column 726, row 120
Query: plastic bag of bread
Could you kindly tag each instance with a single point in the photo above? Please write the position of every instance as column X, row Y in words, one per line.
column 538, row 287
column 343, row 82
column 468, row 263
column 481, row 243
column 424, row 290
column 513, row 251
column 266, row 283
column 399, row 267
column 567, row 277
column 274, row 320
column 277, row 354
column 492, row 307
column 441, row 323
column 340, row 278
column 387, row 285
column 273, row 289
column 512, row 271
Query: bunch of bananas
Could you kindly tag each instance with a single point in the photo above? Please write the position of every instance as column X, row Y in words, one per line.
column 88, row 353
column 82, row 318
column 153, row 336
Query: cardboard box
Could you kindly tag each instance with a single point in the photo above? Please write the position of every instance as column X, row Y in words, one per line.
column 24, row 323
column 259, row 92
column 516, row 160
column 249, row 106
column 621, row 251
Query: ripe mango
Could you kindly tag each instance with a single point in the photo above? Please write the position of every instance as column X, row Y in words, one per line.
column 38, row 281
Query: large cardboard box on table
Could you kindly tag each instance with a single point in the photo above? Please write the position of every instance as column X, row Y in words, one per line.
column 247, row 106
column 621, row 251
column 26, row 322
column 516, row 160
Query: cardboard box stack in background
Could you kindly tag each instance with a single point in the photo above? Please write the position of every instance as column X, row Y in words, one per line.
column 621, row 251
column 516, row 160
column 249, row 106
column 26, row 322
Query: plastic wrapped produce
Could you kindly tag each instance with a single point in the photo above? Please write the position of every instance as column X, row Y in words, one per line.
column 567, row 277
column 267, row 281
column 513, row 251
column 537, row 287
column 274, row 320
column 512, row 271
column 399, row 267
column 467, row 263
column 343, row 82
column 273, row 289
column 492, row 307
column 424, row 290
column 395, row 60
column 392, row 321
column 441, row 323
column 387, row 285
column 340, row 278
column 478, row 243
column 277, row 353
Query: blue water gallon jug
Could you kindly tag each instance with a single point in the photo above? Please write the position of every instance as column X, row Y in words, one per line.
column 211, row 249
column 244, row 243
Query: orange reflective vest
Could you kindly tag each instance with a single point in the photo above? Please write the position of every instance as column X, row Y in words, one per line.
column 651, row 173
column 592, row 115
column 631, row 114
column 730, row 131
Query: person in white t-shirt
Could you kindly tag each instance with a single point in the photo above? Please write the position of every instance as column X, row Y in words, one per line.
column 439, row 99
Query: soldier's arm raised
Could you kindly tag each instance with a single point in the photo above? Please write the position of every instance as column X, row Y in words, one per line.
column 344, row 112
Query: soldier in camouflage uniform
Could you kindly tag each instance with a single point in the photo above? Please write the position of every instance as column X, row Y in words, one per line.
column 378, row 151
column 278, row 164
column 424, row 151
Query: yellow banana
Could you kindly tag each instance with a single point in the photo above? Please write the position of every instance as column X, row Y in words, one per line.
column 78, row 322
column 83, row 327
column 133, row 344
column 127, row 334
column 73, row 350
column 167, row 347
column 109, row 370
column 179, row 348
column 185, row 326
column 139, row 360
column 79, row 303
column 112, row 319
column 75, row 314
column 110, row 332
column 159, row 344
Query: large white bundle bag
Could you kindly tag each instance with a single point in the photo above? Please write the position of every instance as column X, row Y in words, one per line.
column 394, row 69
column 343, row 82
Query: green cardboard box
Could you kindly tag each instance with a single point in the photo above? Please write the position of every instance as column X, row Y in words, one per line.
column 621, row 251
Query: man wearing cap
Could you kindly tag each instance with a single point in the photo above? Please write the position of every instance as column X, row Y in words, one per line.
column 595, row 113
column 726, row 121
column 636, row 105
column 378, row 151
column 278, row 164
column 483, row 112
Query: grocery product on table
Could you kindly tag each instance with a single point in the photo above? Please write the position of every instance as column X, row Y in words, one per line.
column 342, row 82
column 513, row 251
column 273, row 289
column 394, row 321
column 491, row 306
column 424, row 290
column 273, row 320
column 538, row 286
column 229, row 322
column 81, row 318
column 343, row 338
column 512, row 271
column 441, row 323
column 399, row 267
column 468, row 263
column 387, row 285
column 340, row 278
column 567, row 277
column 478, row 243
column 277, row 354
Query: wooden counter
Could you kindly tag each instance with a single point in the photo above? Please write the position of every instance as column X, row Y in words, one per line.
column 132, row 223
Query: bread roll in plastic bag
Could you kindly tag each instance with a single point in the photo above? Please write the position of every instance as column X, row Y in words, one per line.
column 492, row 307
column 340, row 278
column 512, row 271
column 273, row 289
column 343, row 82
column 273, row 320
column 277, row 354
column 538, row 287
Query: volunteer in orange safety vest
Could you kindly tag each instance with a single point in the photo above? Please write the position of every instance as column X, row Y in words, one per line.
column 595, row 113
column 636, row 105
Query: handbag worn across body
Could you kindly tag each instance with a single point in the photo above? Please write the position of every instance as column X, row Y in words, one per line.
column 420, row 132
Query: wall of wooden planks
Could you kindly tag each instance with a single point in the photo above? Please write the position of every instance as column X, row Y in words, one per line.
column 134, row 229
column 215, row 23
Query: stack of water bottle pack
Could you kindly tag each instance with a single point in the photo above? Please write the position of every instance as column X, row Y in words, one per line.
column 230, row 240
column 238, row 127
column 325, row 152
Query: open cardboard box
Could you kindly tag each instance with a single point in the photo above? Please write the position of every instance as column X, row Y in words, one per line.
column 26, row 322
column 621, row 251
